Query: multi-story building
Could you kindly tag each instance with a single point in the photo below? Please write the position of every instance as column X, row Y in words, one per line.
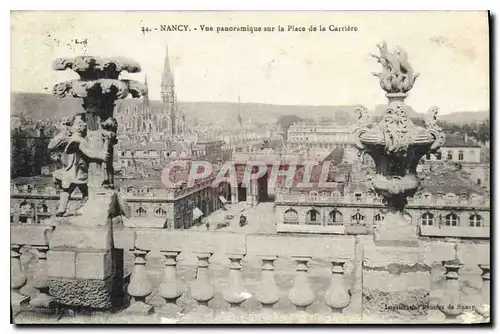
column 447, row 198
column 327, row 136
column 150, row 201
column 466, row 152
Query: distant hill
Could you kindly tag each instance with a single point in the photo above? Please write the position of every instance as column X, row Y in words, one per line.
column 39, row 105
column 464, row 117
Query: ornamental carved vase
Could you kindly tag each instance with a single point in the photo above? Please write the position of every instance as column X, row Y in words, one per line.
column 396, row 144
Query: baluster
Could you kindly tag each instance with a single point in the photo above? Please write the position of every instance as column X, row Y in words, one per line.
column 234, row 294
column 17, row 279
column 139, row 287
column 301, row 294
column 337, row 296
column 42, row 299
column 450, row 302
column 171, row 288
column 484, row 308
column 268, row 293
column 201, row 289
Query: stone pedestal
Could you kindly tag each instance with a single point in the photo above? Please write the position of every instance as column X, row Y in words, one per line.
column 396, row 230
column 84, row 270
column 396, row 281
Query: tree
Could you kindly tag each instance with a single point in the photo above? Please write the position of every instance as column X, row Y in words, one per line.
column 286, row 121
column 483, row 132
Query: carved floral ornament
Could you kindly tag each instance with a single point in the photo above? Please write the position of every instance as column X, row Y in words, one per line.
column 98, row 67
column 118, row 88
column 397, row 75
column 99, row 76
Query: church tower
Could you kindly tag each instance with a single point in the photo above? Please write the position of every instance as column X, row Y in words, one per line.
column 168, row 93
column 145, row 98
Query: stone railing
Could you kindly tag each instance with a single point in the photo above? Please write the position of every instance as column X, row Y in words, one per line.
column 35, row 237
column 193, row 277
column 214, row 289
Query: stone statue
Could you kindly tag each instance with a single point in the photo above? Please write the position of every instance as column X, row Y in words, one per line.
column 72, row 143
column 109, row 128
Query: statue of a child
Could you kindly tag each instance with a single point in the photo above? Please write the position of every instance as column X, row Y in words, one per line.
column 73, row 144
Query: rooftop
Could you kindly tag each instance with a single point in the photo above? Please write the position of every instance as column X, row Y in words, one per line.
column 447, row 178
column 135, row 145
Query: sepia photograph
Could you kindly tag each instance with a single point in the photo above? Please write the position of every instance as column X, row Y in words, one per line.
column 245, row 167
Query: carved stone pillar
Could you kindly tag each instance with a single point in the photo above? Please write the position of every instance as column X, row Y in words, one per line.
column 234, row 194
column 202, row 289
column 484, row 308
column 171, row 288
column 249, row 190
column 268, row 293
column 337, row 296
column 42, row 299
column 139, row 287
column 17, row 278
column 301, row 294
column 450, row 303
column 255, row 192
column 234, row 292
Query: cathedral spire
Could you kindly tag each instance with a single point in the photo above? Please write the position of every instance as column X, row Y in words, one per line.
column 168, row 95
column 167, row 80
column 146, row 96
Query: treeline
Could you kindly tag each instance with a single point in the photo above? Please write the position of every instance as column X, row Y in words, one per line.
column 28, row 146
column 479, row 131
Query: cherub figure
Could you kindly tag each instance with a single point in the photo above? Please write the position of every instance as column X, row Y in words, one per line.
column 78, row 154
column 109, row 128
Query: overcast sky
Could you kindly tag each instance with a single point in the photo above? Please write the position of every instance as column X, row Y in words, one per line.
column 449, row 49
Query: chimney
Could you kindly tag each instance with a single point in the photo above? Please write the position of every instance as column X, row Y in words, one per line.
column 466, row 137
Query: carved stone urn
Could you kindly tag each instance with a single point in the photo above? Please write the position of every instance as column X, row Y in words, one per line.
column 99, row 87
column 396, row 144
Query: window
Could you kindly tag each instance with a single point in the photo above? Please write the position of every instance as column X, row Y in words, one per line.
column 438, row 156
column 475, row 220
column 291, row 217
column 378, row 218
column 312, row 217
column 25, row 208
column 460, row 155
column 141, row 212
column 478, row 182
column 428, row 219
column 358, row 218
column 160, row 212
column 357, row 196
column 428, row 156
column 43, row 208
column 449, row 156
column 451, row 219
column 334, row 217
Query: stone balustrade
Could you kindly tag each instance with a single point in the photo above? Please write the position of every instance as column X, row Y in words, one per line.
column 190, row 276
column 37, row 238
